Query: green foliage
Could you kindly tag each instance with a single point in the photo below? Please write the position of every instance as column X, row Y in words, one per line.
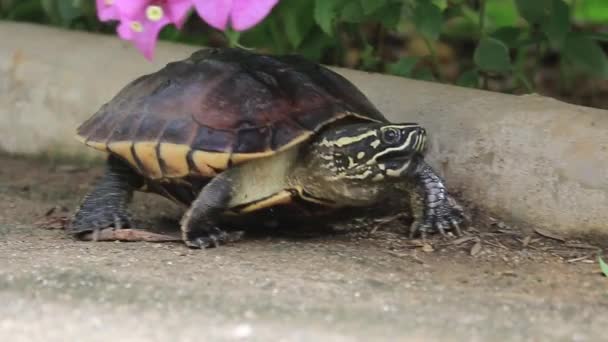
column 586, row 54
column 492, row 55
column 504, row 38
column 603, row 266
column 76, row 14
column 536, row 11
column 427, row 19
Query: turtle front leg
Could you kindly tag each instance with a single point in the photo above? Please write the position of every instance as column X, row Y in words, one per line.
column 432, row 206
column 106, row 205
column 199, row 224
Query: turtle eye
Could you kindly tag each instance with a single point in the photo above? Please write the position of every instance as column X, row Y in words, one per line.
column 391, row 135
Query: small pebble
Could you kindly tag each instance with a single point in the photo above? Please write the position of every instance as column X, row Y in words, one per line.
column 242, row 331
column 427, row 248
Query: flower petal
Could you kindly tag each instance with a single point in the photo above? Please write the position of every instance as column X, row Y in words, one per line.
column 177, row 10
column 106, row 10
column 131, row 8
column 143, row 33
column 214, row 12
column 146, row 42
column 124, row 30
column 248, row 13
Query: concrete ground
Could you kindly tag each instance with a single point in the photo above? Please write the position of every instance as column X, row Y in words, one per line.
column 281, row 287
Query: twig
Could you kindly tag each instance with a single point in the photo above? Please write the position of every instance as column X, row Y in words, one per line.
column 128, row 235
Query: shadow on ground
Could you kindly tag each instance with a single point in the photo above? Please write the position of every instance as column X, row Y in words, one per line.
column 496, row 284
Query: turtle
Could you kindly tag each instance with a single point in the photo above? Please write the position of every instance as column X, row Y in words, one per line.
column 230, row 131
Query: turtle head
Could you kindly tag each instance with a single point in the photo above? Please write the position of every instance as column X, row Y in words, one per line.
column 370, row 152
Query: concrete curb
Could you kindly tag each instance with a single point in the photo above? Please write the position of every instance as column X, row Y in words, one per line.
column 527, row 159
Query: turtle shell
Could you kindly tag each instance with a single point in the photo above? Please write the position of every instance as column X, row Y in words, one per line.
column 221, row 107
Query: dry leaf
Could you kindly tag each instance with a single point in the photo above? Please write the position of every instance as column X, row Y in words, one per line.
column 581, row 246
column 476, row 248
column 549, row 235
column 52, row 222
column 463, row 240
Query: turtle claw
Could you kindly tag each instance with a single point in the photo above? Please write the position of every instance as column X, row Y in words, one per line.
column 206, row 239
column 85, row 221
column 445, row 216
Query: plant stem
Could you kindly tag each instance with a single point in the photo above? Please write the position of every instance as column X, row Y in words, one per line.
column 520, row 60
column 434, row 57
column 482, row 17
column 524, row 80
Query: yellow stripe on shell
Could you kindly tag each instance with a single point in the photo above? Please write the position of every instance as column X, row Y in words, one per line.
column 146, row 154
column 202, row 168
column 175, row 159
column 216, row 160
column 102, row 146
column 123, row 149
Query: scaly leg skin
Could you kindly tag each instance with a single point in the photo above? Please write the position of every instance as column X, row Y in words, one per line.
column 106, row 205
column 199, row 224
column 433, row 208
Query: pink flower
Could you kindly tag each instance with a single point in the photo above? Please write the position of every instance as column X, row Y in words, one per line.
column 242, row 14
column 143, row 31
column 106, row 10
column 142, row 20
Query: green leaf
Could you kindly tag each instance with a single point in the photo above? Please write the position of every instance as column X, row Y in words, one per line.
column 468, row 79
column 26, row 10
column 389, row 15
column 603, row 266
column 298, row 21
column 50, row 9
column 325, row 14
column 428, row 20
column 492, row 55
column 352, row 12
column 586, row 54
column 534, row 11
column 557, row 25
column 403, row 67
column 501, row 13
column 369, row 60
column 601, row 36
column 280, row 44
column 424, row 74
column 370, row 6
column 68, row 11
column 314, row 45
column 233, row 37
column 508, row 35
column 591, row 11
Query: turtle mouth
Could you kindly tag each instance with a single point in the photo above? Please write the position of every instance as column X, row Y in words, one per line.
column 396, row 156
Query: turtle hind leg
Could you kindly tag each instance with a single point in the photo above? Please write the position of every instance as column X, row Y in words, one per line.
column 106, row 205
column 199, row 224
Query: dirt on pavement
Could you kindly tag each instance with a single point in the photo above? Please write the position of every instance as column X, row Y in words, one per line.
column 495, row 284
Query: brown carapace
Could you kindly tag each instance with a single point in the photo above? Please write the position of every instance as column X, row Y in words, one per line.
column 220, row 108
